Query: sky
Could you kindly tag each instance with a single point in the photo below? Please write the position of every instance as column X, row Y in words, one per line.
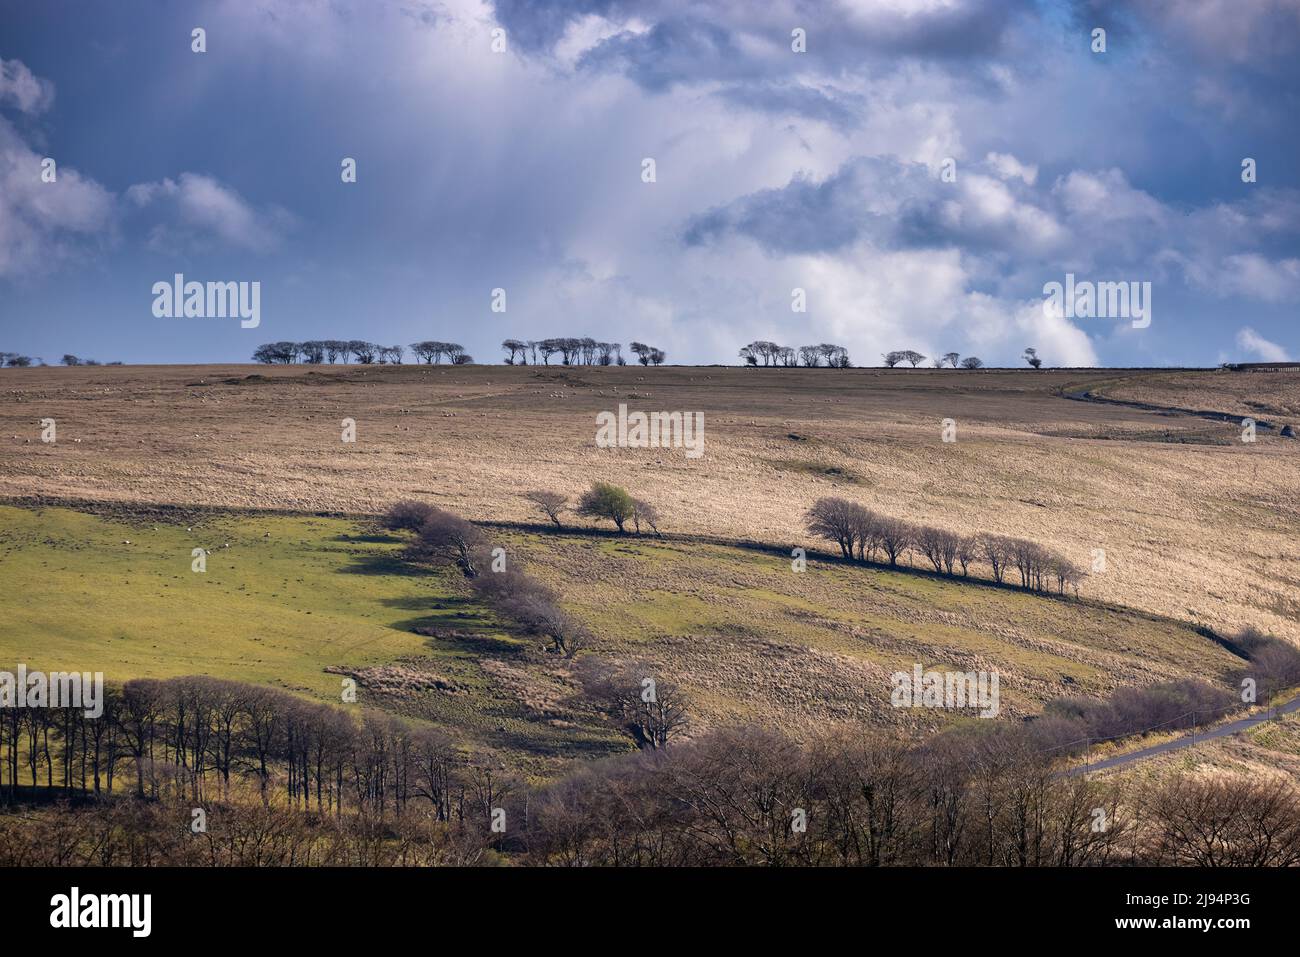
column 921, row 170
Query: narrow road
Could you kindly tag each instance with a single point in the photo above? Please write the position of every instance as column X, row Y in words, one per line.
column 1187, row 741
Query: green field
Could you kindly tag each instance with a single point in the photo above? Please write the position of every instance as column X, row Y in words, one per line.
column 286, row 597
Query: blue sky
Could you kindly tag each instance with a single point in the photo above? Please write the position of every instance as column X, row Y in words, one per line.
column 775, row 170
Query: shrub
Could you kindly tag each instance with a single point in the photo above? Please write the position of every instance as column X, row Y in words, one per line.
column 606, row 501
column 407, row 516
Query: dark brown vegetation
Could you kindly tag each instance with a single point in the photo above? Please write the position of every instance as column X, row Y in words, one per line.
column 443, row 537
column 866, row 536
column 329, row 788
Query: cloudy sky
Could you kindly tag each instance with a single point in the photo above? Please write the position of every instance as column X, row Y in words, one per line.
column 774, row 170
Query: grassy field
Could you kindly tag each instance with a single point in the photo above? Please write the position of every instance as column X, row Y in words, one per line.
column 1195, row 525
column 286, row 597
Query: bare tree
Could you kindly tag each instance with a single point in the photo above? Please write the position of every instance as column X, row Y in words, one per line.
column 450, row 538
column 996, row 551
column 407, row 515
column 643, row 511
column 652, row 709
column 1234, row 822
column 552, row 503
column 896, row 538
column 837, row 519
column 912, row 356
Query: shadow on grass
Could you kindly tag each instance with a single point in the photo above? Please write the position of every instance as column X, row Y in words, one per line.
column 456, row 623
column 577, row 741
column 371, row 538
column 385, row 564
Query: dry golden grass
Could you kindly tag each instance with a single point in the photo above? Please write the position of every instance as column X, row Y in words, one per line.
column 1194, row 525
column 1274, row 396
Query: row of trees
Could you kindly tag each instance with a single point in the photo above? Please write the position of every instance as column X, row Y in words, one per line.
column 951, row 359
column 317, row 351
column 14, row 360
column 197, row 738
column 578, row 351
column 763, row 352
column 443, row 538
column 983, row 795
column 864, row 535
column 602, row 502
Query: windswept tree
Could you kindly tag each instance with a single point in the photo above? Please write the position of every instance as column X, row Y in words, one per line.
column 1031, row 356
column 552, row 503
column 71, row 360
column 427, row 351
column 895, row 538
column 607, row 352
column 912, row 356
column 995, row 550
column 972, row 362
column 651, row 708
column 761, row 351
column 643, row 513
column 952, row 358
column 535, row 606
column 608, row 502
column 892, row 359
column 647, row 355
column 407, row 515
column 838, row 520
column 835, row 357
column 939, row 546
column 281, row 353
column 364, row 352
column 450, row 538
column 515, row 348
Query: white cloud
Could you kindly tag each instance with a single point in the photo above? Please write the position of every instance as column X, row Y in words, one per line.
column 42, row 224
column 1252, row 342
column 21, row 88
column 198, row 209
column 1008, row 167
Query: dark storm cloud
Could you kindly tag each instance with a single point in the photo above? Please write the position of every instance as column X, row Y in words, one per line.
column 690, row 41
column 835, row 107
column 806, row 216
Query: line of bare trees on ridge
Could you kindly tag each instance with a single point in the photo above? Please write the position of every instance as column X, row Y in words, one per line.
column 866, row 536
column 318, row 351
column 583, row 351
column 810, row 357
